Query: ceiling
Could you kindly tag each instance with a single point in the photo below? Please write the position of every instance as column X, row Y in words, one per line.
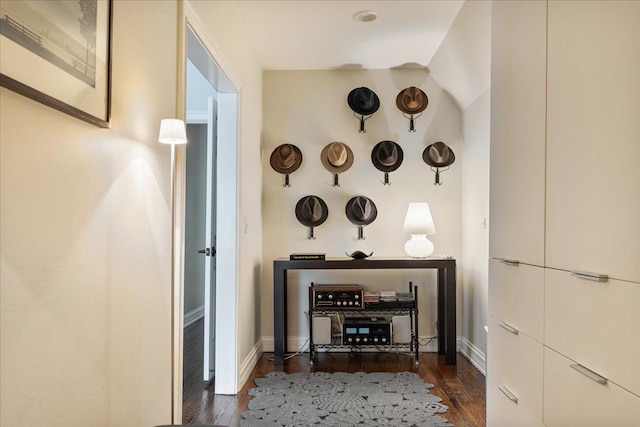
column 321, row 34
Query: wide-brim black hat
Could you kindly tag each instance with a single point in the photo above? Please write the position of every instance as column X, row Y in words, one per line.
column 363, row 101
column 311, row 211
column 412, row 100
column 361, row 210
column 387, row 156
column 438, row 155
column 286, row 158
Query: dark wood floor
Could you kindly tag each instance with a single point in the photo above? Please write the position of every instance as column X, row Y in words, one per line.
column 461, row 387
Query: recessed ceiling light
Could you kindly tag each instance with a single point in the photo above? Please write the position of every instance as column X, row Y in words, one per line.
column 365, row 16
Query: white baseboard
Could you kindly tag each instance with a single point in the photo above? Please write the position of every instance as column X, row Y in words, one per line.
column 474, row 354
column 193, row 316
column 250, row 362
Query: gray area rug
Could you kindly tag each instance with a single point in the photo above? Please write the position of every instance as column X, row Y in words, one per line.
column 343, row 399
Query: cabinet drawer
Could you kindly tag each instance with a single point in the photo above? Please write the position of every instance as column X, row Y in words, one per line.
column 571, row 398
column 516, row 361
column 596, row 323
column 516, row 296
column 504, row 412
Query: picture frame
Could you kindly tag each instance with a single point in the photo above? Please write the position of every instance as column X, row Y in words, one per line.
column 59, row 54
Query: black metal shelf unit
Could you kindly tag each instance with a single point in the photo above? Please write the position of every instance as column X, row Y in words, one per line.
column 376, row 309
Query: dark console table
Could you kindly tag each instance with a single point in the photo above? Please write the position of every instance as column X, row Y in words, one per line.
column 446, row 294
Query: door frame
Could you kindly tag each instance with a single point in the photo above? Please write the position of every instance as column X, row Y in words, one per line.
column 226, row 363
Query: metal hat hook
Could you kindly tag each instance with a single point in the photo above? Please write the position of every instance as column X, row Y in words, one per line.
column 286, row 180
column 336, row 183
column 311, row 236
column 437, row 172
column 362, row 118
column 361, row 232
column 411, row 118
column 386, row 179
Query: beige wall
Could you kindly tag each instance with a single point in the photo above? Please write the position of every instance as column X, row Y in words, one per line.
column 309, row 109
column 85, row 243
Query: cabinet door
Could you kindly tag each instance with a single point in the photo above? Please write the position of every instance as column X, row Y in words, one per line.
column 573, row 397
column 504, row 408
column 593, row 140
column 518, row 49
column 596, row 323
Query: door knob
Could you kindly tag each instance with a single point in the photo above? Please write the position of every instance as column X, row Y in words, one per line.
column 208, row 251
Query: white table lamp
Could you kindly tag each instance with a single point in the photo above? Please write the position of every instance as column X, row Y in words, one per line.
column 419, row 224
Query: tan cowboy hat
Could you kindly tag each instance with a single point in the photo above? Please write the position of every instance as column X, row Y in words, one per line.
column 311, row 211
column 286, row 158
column 412, row 100
column 438, row 155
column 387, row 156
column 336, row 157
column 361, row 210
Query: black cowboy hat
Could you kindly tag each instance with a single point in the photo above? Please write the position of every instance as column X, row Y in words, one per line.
column 311, row 211
column 412, row 100
column 363, row 101
column 286, row 158
column 387, row 156
column 336, row 157
column 438, row 155
column 361, row 210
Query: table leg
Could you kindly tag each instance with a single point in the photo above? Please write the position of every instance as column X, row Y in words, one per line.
column 450, row 328
column 279, row 314
column 441, row 310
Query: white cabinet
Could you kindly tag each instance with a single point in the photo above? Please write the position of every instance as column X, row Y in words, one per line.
column 504, row 408
column 516, row 296
column 593, row 139
column 596, row 323
column 575, row 396
column 516, row 363
column 518, row 50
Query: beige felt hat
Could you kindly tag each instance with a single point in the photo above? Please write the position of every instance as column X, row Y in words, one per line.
column 412, row 100
column 336, row 157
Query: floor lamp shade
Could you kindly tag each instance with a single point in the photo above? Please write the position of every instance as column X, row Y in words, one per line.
column 419, row 224
column 172, row 131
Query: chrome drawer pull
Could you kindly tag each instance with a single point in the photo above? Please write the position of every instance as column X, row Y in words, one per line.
column 512, row 397
column 586, row 275
column 509, row 328
column 511, row 262
column 589, row 374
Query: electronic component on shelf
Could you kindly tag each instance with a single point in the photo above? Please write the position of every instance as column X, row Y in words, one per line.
column 349, row 297
column 321, row 329
column 366, row 331
column 401, row 329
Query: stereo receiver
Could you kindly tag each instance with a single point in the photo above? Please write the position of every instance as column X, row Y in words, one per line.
column 349, row 297
column 366, row 331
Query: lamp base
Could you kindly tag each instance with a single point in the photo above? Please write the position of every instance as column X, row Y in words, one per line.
column 419, row 246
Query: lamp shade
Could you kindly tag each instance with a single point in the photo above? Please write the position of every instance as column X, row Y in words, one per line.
column 419, row 220
column 172, row 131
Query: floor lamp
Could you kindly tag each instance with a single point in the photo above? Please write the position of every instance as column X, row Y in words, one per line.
column 173, row 132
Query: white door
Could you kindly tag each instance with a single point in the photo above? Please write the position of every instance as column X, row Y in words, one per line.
column 200, row 224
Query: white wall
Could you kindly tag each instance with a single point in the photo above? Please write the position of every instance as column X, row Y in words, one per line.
column 85, row 244
column 225, row 31
column 309, row 109
column 462, row 66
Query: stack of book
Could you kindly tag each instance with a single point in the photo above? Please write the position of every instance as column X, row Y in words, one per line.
column 388, row 296
column 371, row 297
column 404, row 296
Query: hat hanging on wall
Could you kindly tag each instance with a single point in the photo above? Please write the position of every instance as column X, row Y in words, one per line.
column 311, row 211
column 336, row 157
column 286, row 159
column 363, row 101
column 438, row 155
column 361, row 211
column 412, row 101
column 387, row 156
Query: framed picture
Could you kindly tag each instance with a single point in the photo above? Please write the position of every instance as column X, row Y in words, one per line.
column 59, row 53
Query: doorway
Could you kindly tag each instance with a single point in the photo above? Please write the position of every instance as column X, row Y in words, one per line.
column 209, row 255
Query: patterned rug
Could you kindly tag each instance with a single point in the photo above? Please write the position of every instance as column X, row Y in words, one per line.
column 343, row 399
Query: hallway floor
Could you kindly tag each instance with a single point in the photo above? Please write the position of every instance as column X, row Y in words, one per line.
column 461, row 387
